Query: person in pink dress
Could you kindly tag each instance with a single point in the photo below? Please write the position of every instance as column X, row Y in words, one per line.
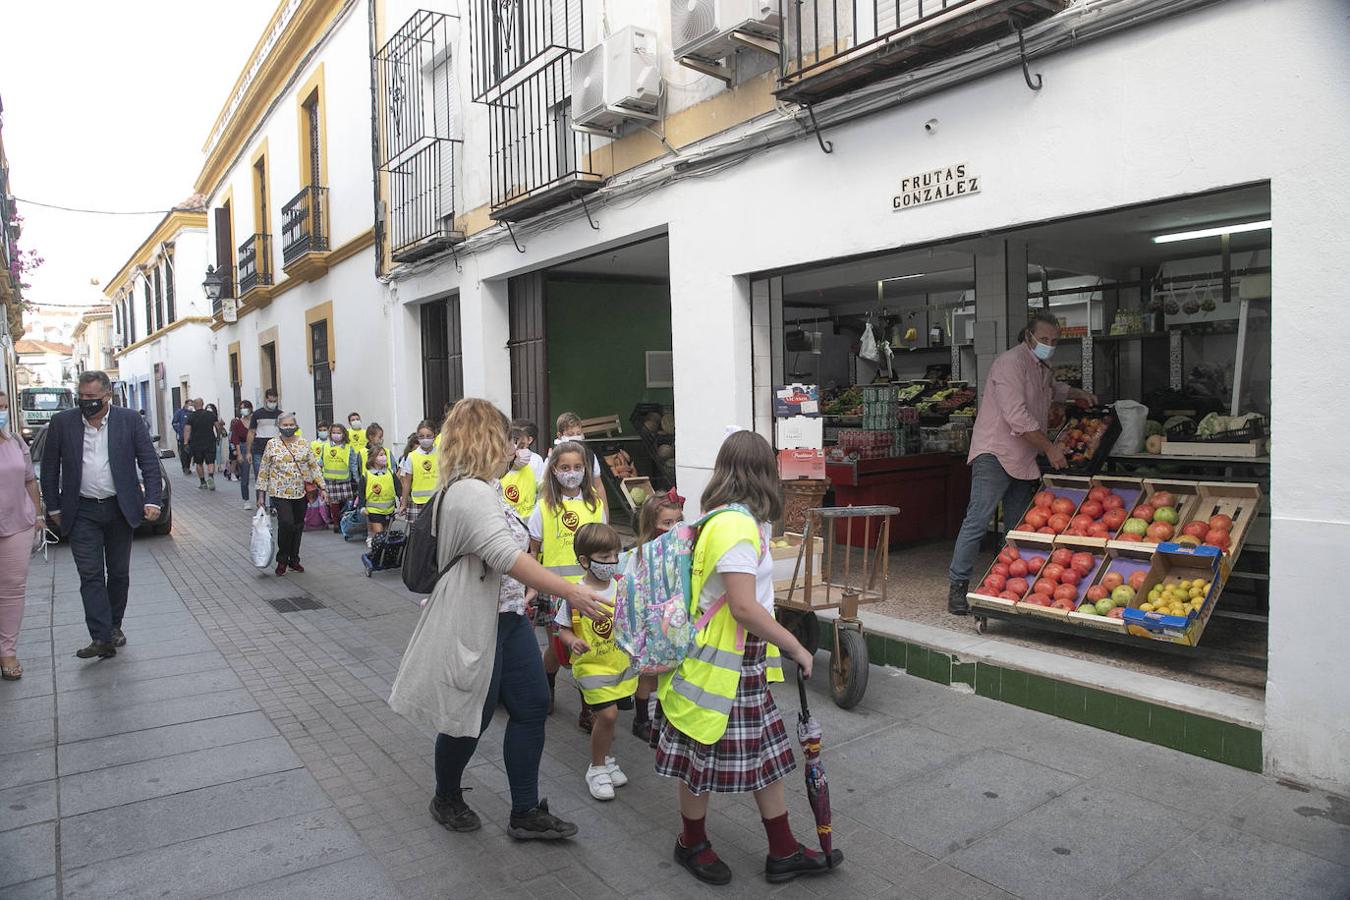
column 20, row 516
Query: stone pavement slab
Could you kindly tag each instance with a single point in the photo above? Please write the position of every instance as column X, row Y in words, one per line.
column 167, row 740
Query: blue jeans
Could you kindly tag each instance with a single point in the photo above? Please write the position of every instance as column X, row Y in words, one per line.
column 100, row 541
column 241, row 467
column 989, row 486
column 518, row 682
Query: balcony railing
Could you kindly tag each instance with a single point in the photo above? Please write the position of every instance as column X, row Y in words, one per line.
column 831, row 47
column 537, row 160
column 510, row 39
column 255, row 263
column 304, row 224
column 422, row 202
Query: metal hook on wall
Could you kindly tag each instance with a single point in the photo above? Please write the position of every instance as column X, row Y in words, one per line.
column 455, row 255
column 825, row 146
column 512, row 232
column 587, row 210
column 1022, row 52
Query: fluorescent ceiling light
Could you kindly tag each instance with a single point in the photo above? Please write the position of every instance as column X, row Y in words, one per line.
column 1211, row 232
column 904, row 277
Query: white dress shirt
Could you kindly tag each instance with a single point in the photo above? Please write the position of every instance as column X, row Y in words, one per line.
column 96, row 479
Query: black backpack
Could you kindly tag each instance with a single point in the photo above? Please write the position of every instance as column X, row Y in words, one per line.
column 420, row 574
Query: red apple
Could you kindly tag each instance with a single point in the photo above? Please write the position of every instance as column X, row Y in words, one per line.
column 1162, row 498
column 1052, row 572
column 1017, row 568
column 1037, row 599
column 1098, row 494
column 1034, row 564
column 1114, row 517
column 1064, row 603
column 1063, row 505
column 1093, row 509
column 1037, row 517
column 1137, row 579
column 1113, row 501
column 1143, row 511
column 1196, row 529
column 1070, row 576
column 1095, row 593
column 1017, row 586
column 1043, row 499
column 1159, row 532
column 1112, row 580
column 1059, row 522
column 1023, row 526
column 995, row 584
column 1220, row 539
column 1221, row 522
column 1044, row 586
column 1062, row 556
column 1066, row 591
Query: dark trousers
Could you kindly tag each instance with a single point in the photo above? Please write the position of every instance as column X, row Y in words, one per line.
column 518, row 683
column 100, row 541
column 184, row 456
column 290, row 527
column 990, row 485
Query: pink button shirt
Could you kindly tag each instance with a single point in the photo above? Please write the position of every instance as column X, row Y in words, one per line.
column 16, row 470
column 1016, row 401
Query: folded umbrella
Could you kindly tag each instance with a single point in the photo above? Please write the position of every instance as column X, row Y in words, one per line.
column 817, row 786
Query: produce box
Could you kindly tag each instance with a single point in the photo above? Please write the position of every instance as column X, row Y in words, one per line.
column 1240, row 502
column 1184, row 496
column 636, row 491
column 1054, row 489
column 1068, row 590
column 1032, row 550
column 800, row 433
column 1122, row 565
column 1103, row 512
column 785, row 550
column 1173, row 563
column 1236, row 449
column 796, row 400
column 1086, row 439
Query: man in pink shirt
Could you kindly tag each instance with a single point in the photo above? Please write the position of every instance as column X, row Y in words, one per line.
column 1010, row 431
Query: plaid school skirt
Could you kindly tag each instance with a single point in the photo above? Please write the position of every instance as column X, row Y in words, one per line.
column 753, row 754
column 339, row 491
column 412, row 512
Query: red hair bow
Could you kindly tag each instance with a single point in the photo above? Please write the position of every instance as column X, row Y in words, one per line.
column 674, row 497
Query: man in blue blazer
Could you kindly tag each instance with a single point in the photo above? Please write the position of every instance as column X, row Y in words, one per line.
column 91, row 488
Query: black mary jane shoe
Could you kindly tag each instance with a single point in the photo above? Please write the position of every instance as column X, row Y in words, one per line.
column 800, row 863
column 715, row 872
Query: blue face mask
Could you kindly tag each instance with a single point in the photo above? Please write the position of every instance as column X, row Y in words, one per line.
column 4, row 419
column 1043, row 351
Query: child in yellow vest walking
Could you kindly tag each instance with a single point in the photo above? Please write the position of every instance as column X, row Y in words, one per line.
column 520, row 485
column 603, row 671
column 418, row 471
column 379, row 492
column 657, row 516
column 341, row 470
column 569, row 499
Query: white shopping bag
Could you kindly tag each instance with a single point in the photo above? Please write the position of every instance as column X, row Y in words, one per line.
column 261, row 545
column 1133, row 418
column 867, row 347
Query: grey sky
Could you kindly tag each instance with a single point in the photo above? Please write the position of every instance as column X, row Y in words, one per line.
column 107, row 106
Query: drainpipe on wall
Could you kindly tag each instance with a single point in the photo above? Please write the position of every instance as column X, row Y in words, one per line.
column 375, row 139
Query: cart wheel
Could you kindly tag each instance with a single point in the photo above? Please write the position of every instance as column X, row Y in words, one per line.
column 981, row 624
column 848, row 668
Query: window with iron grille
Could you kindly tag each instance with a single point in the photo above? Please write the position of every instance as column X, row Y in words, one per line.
column 510, row 39
column 322, row 376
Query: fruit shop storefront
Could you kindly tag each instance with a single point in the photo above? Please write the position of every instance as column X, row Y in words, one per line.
column 1157, row 532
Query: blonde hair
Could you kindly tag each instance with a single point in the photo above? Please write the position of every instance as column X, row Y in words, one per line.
column 567, row 421
column 473, row 441
column 553, row 491
column 746, row 472
column 647, row 516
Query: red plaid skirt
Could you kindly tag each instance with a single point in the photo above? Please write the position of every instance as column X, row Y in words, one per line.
column 753, row 754
column 339, row 491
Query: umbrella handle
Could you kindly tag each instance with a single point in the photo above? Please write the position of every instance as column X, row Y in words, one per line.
column 801, row 689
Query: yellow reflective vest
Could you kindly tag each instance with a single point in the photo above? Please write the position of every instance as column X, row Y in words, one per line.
column 381, row 494
column 317, row 447
column 698, row 696
column 356, row 437
column 560, row 530
column 520, row 490
column 604, row 672
column 423, row 475
column 337, row 460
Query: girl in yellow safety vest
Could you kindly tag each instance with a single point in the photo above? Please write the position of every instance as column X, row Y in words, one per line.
column 341, row 471
column 569, row 499
column 418, row 471
column 520, row 486
column 320, row 441
column 379, row 492
column 603, row 672
column 722, row 732
column 657, row 516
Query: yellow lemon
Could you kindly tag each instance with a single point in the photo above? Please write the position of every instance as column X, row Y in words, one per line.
column 1146, row 607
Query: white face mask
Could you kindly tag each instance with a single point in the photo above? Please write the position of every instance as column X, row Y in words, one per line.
column 570, row 480
column 603, row 571
column 1043, row 351
column 522, row 458
column 356, row 424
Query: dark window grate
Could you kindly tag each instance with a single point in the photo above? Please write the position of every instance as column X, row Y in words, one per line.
column 294, row 604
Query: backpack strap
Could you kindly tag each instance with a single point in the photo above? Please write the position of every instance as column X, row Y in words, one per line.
column 722, row 601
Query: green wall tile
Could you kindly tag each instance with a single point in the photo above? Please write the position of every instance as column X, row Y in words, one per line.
column 963, row 673
column 1014, row 687
column 939, row 667
column 1131, row 718
column 876, row 649
column 895, row 653
column 988, row 680
column 1070, row 701
column 1166, row 727
column 916, row 660
column 1041, row 694
column 1242, row 748
column 1204, row 737
column 1099, row 709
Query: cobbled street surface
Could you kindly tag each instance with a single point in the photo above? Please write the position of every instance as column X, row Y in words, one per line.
column 234, row 749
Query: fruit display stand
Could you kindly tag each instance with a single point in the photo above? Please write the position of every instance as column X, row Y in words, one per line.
column 1119, row 568
column 830, row 569
column 1182, row 495
column 1033, row 551
column 1059, row 496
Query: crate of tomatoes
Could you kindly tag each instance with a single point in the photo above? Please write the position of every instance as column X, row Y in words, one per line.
column 1086, row 439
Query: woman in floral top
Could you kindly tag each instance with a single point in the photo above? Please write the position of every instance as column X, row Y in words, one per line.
column 286, row 465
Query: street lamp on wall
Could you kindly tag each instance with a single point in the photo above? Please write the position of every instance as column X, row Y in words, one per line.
column 213, row 286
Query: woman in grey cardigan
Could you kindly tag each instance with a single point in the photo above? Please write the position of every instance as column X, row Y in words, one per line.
column 474, row 646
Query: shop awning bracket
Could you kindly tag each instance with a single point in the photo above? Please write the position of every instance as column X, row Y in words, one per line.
column 455, row 255
column 587, row 210
column 512, row 232
column 1022, row 54
column 825, row 146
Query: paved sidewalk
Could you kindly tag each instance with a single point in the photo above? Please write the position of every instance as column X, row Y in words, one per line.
column 234, row 748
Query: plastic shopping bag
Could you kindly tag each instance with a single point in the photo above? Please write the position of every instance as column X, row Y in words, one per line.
column 261, row 545
column 867, row 347
column 1133, row 418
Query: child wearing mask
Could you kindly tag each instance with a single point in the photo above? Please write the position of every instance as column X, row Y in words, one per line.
column 379, row 491
column 601, row 669
column 568, row 501
column 529, row 441
column 520, row 486
column 657, row 516
column 341, row 471
column 356, row 432
column 569, row 429
column 374, row 437
column 418, row 470
column 320, row 441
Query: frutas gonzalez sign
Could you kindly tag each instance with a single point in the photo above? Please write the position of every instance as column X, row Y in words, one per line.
column 936, row 184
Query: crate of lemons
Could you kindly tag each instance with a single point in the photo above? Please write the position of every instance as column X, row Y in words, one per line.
column 1177, row 598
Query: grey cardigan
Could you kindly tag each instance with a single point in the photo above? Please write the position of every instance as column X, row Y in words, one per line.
column 443, row 680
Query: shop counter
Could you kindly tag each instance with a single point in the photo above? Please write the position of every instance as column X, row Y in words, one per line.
column 931, row 491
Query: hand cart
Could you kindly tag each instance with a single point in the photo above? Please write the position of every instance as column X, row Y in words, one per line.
column 852, row 570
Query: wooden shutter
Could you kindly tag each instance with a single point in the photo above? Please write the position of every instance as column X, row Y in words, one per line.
column 225, row 250
column 529, row 351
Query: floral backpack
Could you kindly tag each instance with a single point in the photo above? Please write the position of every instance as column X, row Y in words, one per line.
column 654, row 600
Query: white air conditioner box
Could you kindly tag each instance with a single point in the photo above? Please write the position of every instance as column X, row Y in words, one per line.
column 617, row 80
column 702, row 28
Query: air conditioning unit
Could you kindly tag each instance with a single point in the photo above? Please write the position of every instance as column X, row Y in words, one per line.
column 702, row 28
column 617, row 80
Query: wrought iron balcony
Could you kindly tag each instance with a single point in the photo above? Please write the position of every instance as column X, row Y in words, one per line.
column 255, row 264
column 304, row 224
column 831, row 47
column 422, row 203
column 511, row 39
column 537, row 160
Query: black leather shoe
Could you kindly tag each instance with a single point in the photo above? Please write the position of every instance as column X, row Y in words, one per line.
column 539, row 825
column 100, row 649
column 800, row 863
column 118, row 638
column 642, row 731
column 715, row 872
column 455, row 814
column 956, row 598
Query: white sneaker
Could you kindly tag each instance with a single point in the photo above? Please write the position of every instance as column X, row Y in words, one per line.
column 600, row 783
column 248, row 505
column 616, row 775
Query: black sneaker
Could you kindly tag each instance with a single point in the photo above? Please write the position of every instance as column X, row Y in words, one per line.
column 455, row 814
column 643, row 730
column 100, row 649
column 800, row 863
column 118, row 638
column 539, row 825
column 956, row 598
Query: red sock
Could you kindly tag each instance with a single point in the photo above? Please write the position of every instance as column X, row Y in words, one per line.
column 782, row 842
column 694, row 834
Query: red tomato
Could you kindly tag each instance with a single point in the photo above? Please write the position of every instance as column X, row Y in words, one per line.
column 1017, row 586
column 1058, row 522
column 1017, row 568
column 1046, row 530
column 1143, row 511
column 1117, row 612
column 1043, row 499
column 1052, row 572
column 1000, row 568
column 1128, row 537
column 1093, row 509
column 1070, row 576
column 1082, row 520
column 1037, row 599
column 1037, row 517
column 1095, row 593
column 1044, row 585
column 1098, row 494
column 994, row 584
column 1009, row 595
column 1083, row 562
column 1159, row 532
column 1063, row 505
column 1034, row 564
column 1196, row 529
column 1066, row 592
column 1062, row 556
column 1013, row 552
column 1162, row 498
column 1112, row 580
column 1098, row 530
column 1114, row 517
column 1218, row 538
column 1221, row 522
column 1113, row 501
column 1064, row 603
